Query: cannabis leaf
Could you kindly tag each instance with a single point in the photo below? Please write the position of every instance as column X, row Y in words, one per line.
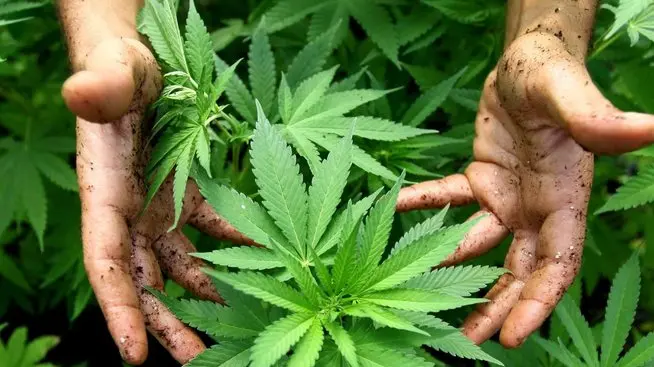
column 637, row 15
column 187, row 104
column 225, row 354
column 12, row 8
column 19, row 351
column 637, row 191
column 620, row 311
column 329, row 270
column 23, row 164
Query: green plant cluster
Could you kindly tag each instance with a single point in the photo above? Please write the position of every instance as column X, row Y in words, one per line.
column 352, row 98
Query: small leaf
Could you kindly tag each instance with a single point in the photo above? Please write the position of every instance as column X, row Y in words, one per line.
column 285, row 100
column 224, row 354
column 640, row 354
column 427, row 103
column 620, row 310
column 159, row 23
column 198, row 45
column 265, row 288
column 374, row 356
column 456, row 281
column 382, row 316
column 261, row 64
column 343, row 342
column 366, row 127
column 310, row 60
column 56, row 170
column 326, row 189
column 637, row 191
column 243, row 257
column 582, row 336
column 419, row 300
column 237, row 93
column 307, row 350
column 278, row 338
column 309, row 93
column 559, row 352
column 377, row 23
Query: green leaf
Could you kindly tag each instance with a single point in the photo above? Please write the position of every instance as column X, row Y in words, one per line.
column 419, row 256
column 382, row 316
column 582, row 336
column 247, row 216
column 333, row 233
column 212, row 318
column 376, row 231
column 345, row 256
column 199, row 47
column 366, row 127
column 261, row 64
column 307, row 350
column 180, row 180
column 278, row 338
column 456, row 281
column 33, row 198
column 285, row 100
column 288, row 12
column 418, row 300
column 304, row 147
column 377, row 23
column 559, row 352
column 280, row 183
column 420, row 230
column 326, row 189
column 452, row 341
column 640, row 354
column 343, row 342
column 626, row 11
column 374, row 356
column 224, row 354
column 333, row 14
column 303, row 277
column 309, row 93
column 265, row 288
column 359, row 157
column 637, row 191
column 427, row 103
column 620, row 310
column 243, row 257
column 56, row 170
column 37, row 349
column 339, row 103
column 310, row 60
column 159, row 23
column 11, row 272
column 237, row 93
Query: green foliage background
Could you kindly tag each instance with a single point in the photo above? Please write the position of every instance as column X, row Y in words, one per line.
column 415, row 45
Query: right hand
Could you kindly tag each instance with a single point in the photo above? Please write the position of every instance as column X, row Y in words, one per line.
column 123, row 252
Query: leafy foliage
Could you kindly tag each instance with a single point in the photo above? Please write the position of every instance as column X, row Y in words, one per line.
column 19, row 351
column 334, row 299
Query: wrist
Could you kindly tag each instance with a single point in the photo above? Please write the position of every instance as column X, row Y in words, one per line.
column 570, row 21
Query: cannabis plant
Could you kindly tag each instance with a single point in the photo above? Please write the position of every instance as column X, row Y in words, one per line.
column 333, row 291
column 610, row 337
column 311, row 107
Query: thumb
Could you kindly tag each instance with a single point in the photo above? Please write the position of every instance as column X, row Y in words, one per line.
column 572, row 99
column 118, row 75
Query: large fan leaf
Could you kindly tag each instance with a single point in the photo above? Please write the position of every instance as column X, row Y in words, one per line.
column 456, row 281
column 637, row 191
column 419, row 300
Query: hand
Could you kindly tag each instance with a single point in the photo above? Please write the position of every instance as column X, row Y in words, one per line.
column 539, row 116
column 123, row 252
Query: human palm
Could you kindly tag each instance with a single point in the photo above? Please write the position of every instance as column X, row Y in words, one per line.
column 125, row 252
column 539, row 119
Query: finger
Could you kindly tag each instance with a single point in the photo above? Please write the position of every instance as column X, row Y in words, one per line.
column 483, row 236
column 487, row 319
column 454, row 189
column 591, row 119
column 117, row 74
column 173, row 250
column 208, row 221
column 561, row 246
column 180, row 341
column 106, row 254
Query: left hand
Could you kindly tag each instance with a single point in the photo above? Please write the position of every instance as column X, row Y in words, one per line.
column 539, row 119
